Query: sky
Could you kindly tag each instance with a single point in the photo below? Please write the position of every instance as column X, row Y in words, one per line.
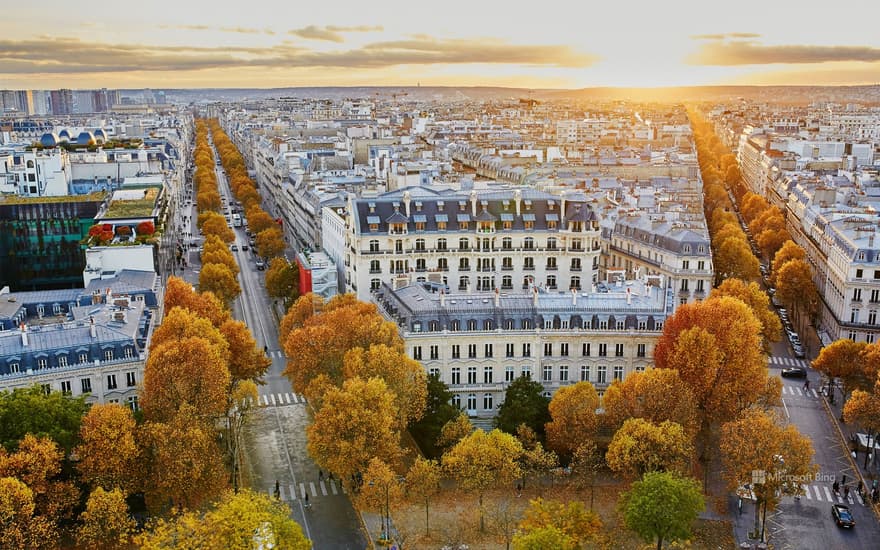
column 538, row 44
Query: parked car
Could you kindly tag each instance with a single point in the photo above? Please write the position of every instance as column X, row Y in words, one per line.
column 234, row 248
column 244, row 247
column 799, row 352
column 261, row 265
column 842, row 516
column 794, row 372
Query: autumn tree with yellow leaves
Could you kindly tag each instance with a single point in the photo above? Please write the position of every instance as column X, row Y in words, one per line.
column 640, row 446
column 574, row 419
column 108, row 451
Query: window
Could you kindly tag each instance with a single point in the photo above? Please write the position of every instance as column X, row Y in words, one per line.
column 434, row 371
column 487, row 401
column 111, row 381
column 47, row 389
column 375, row 284
column 529, row 243
column 42, row 363
column 875, row 295
column 684, row 284
column 472, row 375
column 618, row 350
column 600, row 374
column 859, row 273
column 83, row 357
column 108, row 355
column 551, row 244
column 576, row 282
column 563, row 349
column 374, row 246
column 603, row 350
column 508, row 350
column 563, row 373
column 417, row 353
column 585, row 349
column 464, row 264
column 133, row 403
column 487, row 375
column 857, row 295
column 526, row 350
column 700, row 285
column 854, row 316
column 508, row 374
column 456, row 375
column 130, row 379
column 548, row 349
column 506, row 243
column 435, row 352
column 472, row 351
column 456, row 401
column 456, row 351
column 374, row 266
column 14, row 367
column 551, row 281
column 685, row 264
column 507, row 282
column 65, row 387
column 585, row 373
column 618, row 373
column 640, row 350
column 420, row 245
column 398, row 246
column 548, row 373
column 619, row 325
column 86, row 385
column 529, row 264
column 472, row 401
column 441, row 244
column 463, row 244
column 455, row 325
column 869, row 338
column 128, row 352
column 463, row 283
column 487, row 348
column 526, row 372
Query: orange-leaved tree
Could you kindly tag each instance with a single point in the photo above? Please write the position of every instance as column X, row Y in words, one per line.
column 108, row 451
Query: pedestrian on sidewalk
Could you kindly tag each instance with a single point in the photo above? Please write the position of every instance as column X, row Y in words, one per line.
column 277, row 489
column 860, row 489
column 846, row 491
column 807, row 385
column 320, row 475
column 836, row 487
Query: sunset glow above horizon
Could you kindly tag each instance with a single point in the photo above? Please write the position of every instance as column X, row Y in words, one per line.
column 265, row 43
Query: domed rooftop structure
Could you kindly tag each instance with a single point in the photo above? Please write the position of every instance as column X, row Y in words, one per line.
column 63, row 135
column 85, row 138
column 49, row 139
column 100, row 135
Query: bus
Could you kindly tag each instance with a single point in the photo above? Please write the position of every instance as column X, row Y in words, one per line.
column 236, row 220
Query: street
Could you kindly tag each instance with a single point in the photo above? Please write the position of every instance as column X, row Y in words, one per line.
column 275, row 439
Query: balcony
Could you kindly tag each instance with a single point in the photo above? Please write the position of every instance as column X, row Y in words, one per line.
column 506, row 268
column 528, row 268
column 464, row 268
column 575, row 268
column 379, row 270
column 551, row 268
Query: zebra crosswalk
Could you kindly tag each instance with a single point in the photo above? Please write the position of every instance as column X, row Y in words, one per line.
column 788, row 362
column 797, row 391
column 298, row 491
column 280, row 399
column 824, row 493
column 276, row 354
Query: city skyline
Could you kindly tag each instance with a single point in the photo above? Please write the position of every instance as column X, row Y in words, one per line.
column 457, row 44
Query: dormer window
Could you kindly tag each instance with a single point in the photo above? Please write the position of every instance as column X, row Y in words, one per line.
column 372, row 206
column 440, row 205
column 528, row 204
column 418, row 206
column 550, row 205
column 462, row 205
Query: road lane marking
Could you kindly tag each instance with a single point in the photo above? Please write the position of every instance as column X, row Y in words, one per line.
column 333, row 487
column 828, row 494
column 312, row 487
column 295, row 400
column 281, row 491
column 800, row 394
column 323, row 489
column 287, row 398
column 806, row 489
column 280, row 399
column 292, row 492
column 784, row 406
column 816, row 395
column 302, row 490
column 272, row 397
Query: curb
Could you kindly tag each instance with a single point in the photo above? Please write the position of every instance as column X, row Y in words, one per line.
column 849, row 457
column 370, row 542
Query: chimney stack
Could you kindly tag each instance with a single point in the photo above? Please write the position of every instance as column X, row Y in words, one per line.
column 406, row 200
column 109, row 296
column 93, row 332
column 24, row 338
column 574, row 297
column 517, row 197
column 535, row 295
column 474, row 203
column 628, row 296
column 497, row 297
column 442, row 298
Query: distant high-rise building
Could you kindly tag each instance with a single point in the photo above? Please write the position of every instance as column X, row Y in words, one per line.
column 61, row 102
column 41, row 102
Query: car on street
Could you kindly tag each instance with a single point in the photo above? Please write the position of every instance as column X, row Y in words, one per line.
column 794, row 372
column 842, row 516
column 261, row 265
column 244, row 247
column 234, row 248
column 799, row 352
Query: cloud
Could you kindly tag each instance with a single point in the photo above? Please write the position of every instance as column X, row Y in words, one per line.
column 236, row 30
column 740, row 35
column 71, row 55
column 747, row 52
column 331, row 33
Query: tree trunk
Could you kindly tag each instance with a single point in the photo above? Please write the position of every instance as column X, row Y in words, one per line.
column 427, row 526
column 659, row 543
column 482, row 526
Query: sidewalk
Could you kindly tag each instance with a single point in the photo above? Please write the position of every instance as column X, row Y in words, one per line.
column 866, row 465
column 374, row 525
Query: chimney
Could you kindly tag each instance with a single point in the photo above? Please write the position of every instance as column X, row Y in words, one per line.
column 109, row 299
column 628, row 296
column 406, row 200
column 442, row 298
column 535, row 295
column 93, row 332
column 574, row 297
column 24, row 339
column 562, row 211
column 497, row 298
column 517, row 197
column 474, row 204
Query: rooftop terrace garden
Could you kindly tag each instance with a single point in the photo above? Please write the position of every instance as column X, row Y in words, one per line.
column 134, row 208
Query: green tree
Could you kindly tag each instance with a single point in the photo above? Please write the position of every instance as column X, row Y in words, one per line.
column 31, row 411
column 438, row 411
column 524, row 403
column 662, row 506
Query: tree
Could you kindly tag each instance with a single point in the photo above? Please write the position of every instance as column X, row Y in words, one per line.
column 771, row 240
column 179, row 293
column 788, row 251
column 217, row 278
column 319, row 347
column 438, row 411
column 259, row 221
column 238, row 521
column 180, row 324
column 270, row 242
column 640, row 446
column 20, row 525
column 186, row 372
column 454, row 431
column 246, row 360
column 524, row 403
column 108, row 452
column 282, row 279
column 752, row 206
column 481, row 461
column 655, row 395
column 571, row 518
column 573, row 414
column 534, row 462
column 298, row 313
column 757, row 300
column 145, row 228
column 38, row 464
column 357, row 423
column 863, row 409
column 545, row 537
column 842, row 359
column 586, row 463
column 105, row 522
column 503, row 519
column 423, row 482
column 405, row 377
column 222, row 257
column 379, row 490
column 662, row 506
column 31, row 411
column 756, row 442
column 734, row 259
column 795, row 288
column 184, row 465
